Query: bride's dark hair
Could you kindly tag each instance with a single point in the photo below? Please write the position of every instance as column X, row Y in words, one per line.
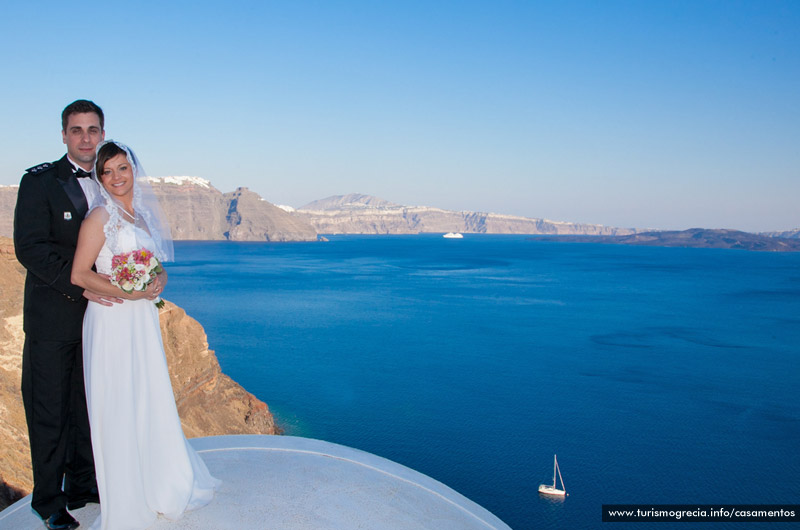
column 106, row 153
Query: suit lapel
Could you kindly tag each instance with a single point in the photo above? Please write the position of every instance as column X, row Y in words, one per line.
column 72, row 188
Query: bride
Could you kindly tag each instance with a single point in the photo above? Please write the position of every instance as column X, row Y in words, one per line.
column 145, row 466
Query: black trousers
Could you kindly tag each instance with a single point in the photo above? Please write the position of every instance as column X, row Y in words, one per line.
column 58, row 423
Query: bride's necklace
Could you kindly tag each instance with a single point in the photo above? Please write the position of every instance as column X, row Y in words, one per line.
column 132, row 216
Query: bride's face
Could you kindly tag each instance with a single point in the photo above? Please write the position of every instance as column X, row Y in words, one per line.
column 117, row 176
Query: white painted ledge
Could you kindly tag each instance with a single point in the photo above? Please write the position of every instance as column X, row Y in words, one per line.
column 296, row 483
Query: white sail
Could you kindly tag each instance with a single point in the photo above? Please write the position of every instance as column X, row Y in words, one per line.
column 553, row 490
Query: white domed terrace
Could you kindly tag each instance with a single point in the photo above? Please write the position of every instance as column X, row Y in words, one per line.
column 296, row 483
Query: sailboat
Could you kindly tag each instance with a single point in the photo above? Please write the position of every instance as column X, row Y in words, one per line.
column 553, row 490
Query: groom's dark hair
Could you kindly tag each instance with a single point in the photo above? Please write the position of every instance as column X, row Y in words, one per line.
column 106, row 153
column 78, row 107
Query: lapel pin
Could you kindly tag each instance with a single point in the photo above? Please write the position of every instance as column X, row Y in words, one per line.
column 67, row 216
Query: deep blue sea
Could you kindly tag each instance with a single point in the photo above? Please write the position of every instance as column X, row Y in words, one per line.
column 658, row 375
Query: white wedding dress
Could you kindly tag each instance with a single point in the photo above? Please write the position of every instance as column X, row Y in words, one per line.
column 145, row 467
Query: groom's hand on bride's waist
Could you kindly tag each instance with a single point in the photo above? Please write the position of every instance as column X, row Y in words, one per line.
column 101, row 298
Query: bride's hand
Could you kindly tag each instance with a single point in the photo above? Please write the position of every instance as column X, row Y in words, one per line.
column 152, row 290
column 158, row 284
column 148, row 294
column 161, row 278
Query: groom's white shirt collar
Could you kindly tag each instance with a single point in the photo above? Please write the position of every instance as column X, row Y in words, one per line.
column 89, row 186
column 75, row 166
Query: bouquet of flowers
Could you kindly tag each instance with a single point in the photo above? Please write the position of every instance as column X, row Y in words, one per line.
column 133, row 271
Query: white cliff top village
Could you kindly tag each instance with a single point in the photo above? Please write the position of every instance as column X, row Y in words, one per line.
column 182, row 181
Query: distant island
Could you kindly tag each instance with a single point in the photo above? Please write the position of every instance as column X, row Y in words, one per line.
column 198, row 211
column 365, row 214
column 693, row 238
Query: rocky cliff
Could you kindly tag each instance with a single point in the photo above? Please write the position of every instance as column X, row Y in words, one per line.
column 8, row 199
column 195, row 209
column 198, row 211
column 251, row 218
column 363, row 214
column 15, row 475
column 209, row 402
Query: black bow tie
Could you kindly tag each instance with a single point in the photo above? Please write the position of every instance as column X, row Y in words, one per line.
column 81, row 174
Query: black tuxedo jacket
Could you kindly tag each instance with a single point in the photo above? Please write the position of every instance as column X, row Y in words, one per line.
column 50, row 208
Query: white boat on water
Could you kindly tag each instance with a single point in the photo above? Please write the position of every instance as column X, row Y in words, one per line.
column 453, row 235
column 553, row 490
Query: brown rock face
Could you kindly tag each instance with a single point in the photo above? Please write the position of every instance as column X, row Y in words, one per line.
column 251, row 218
column 209, row 402
column 8, row 200
column 196, row 210
column 15, row 457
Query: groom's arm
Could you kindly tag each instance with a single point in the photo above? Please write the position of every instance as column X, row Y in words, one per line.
column 102, row 299
column 32, row 218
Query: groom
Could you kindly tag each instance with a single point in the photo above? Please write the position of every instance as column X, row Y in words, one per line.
column 51, row 203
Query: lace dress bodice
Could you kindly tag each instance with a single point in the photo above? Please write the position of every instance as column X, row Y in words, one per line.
column 128, row 238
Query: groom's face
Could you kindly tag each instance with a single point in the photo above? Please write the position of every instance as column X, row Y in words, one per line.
column 81, row 137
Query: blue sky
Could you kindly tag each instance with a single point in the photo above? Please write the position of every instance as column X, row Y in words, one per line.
column 625, row 113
